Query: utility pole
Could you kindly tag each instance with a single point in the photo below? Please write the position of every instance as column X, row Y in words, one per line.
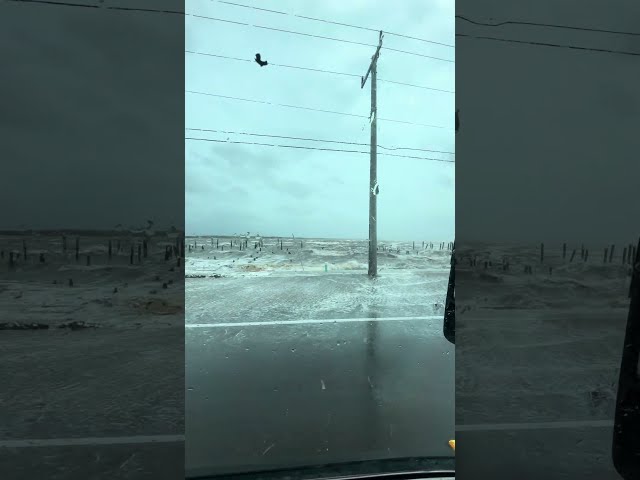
column 373, row 171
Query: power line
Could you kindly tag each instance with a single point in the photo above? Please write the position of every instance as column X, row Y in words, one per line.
column 416, row 86
column 548, row 25
column 317, row 148
column 318, row 70
column 314, row 140
column 337, row 23
column 310, row 108
column 97, row 7
column 544, row 44
column 317, row 36
column 175, row 12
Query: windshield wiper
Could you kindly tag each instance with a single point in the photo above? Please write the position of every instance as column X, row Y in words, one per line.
column 412, row 468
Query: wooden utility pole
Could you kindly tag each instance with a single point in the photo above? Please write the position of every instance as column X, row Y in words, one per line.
column 373, row 170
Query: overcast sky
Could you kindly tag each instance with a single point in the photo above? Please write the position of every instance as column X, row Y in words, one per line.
column 91, row 114
column 561, row 126
column 274, row 191
column 91, row 99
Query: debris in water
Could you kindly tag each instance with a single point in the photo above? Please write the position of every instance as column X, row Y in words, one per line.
column 76, row 325
column 20, row 326
column 127, row 461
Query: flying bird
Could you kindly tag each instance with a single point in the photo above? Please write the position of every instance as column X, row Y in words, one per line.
column 261, row 62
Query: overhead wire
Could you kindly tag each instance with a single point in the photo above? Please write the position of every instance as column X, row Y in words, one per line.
column 318, row 70
column 337, row 23
column 543, row 44
column 319, row 36
column 300, row 147
column 312, row 109
column 228, row 132
column 546, row 44
column 546, row 25
column 98, row 7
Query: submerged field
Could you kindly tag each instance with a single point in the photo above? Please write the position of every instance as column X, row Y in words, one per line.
column 227, row 256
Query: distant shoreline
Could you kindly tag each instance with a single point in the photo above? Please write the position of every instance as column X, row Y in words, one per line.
column 312, row 238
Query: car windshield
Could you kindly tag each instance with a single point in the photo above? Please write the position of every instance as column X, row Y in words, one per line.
column 319, row 236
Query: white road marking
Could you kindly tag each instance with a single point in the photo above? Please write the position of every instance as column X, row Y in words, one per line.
column 535, row 425
column 306, row 322
column 91, row 441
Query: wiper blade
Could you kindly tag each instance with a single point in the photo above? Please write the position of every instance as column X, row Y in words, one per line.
column 394, row 469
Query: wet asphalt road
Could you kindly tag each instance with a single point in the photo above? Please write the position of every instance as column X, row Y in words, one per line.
column 535, row 393
column 283, row 394
column 103, row 386
column 534, row 453
column 266, row 391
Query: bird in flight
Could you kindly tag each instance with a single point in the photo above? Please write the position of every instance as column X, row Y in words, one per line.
column 261, row 62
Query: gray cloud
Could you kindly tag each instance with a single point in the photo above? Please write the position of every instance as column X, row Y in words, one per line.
column 547, row 148
column 92, row 99
column 312, row 193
